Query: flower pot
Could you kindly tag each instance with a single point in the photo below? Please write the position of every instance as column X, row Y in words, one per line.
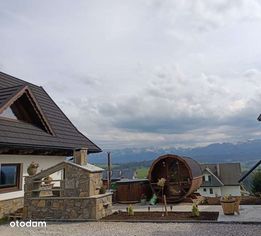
column 228, row 206
column 237, row 204
column 31, row 170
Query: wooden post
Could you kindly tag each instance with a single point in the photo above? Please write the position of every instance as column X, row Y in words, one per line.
column 165, row 204
column 179, row 176
column 109, row 170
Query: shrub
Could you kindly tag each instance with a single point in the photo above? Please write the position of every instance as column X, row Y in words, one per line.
column 130, row 210
column 195, row 210
column 256, row 183
column 102, row 190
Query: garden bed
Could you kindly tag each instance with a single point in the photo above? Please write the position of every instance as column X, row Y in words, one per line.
column 157, row 216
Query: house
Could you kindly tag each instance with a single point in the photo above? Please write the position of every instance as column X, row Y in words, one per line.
column 32, row 128
column 246, row 178
column 220, row 179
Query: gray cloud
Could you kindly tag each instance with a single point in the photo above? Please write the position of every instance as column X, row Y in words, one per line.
column 142, row 73
column 176, row 105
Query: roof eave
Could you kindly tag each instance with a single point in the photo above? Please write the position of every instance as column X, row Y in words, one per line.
column 44, row 147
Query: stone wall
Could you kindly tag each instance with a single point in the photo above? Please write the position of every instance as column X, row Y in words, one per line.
column 69, row 208
column 80, row 183
column 95, row 183
column 10, row 206
column 79, row 197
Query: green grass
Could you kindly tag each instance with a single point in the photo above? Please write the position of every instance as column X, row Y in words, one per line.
column 142, row 172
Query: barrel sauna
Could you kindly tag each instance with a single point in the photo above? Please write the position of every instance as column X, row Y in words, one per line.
column 183, row 177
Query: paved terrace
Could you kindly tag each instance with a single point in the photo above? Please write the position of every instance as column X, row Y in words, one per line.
column 248, row 213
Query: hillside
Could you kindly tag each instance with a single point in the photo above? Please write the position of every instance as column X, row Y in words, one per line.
column 246, row 152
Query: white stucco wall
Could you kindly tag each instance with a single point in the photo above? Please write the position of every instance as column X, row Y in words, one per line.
column 44, row 162
column 233, row 190
column 220, row 191
column 216, row 191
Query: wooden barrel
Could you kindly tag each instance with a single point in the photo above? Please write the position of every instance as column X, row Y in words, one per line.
column 183, row 176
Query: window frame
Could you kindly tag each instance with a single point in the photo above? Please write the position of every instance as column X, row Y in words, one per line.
column 19, row 178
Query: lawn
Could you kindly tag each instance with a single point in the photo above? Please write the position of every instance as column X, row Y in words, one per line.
column 142, row 172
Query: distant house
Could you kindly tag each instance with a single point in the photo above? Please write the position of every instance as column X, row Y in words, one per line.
column 32, row 128
column 220, row 179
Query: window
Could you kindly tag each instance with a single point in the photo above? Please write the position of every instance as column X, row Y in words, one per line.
column 204, row 179
column 204, row 189
column 8, row 113
column 10, row 176
column 211, row 191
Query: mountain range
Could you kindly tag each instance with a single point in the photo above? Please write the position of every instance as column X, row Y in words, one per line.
column 249, row 151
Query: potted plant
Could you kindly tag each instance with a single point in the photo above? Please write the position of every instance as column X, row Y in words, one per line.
column 161, row 183
column 195, row 210
column 228, row 204
column 130, row 210
column 48, row 180
column 32, row 168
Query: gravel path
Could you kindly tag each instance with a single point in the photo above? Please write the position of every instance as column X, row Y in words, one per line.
column 144, row 229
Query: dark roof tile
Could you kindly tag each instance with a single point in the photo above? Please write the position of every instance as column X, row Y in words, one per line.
column 66, row 135
column 228, row 173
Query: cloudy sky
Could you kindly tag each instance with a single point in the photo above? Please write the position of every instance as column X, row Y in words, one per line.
column 142, row 73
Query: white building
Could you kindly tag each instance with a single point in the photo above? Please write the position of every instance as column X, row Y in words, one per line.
column 32, row 128
column 220, row 179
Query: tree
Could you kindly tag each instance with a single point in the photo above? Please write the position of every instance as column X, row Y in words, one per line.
column 256, row 182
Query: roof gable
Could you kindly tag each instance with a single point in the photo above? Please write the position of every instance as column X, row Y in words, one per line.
column 227, row 173
column 25, row 135
column 215, row 181
column 24, row 106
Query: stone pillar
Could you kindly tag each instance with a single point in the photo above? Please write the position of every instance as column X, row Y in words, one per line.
column 80, row 156
column 28, row 187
